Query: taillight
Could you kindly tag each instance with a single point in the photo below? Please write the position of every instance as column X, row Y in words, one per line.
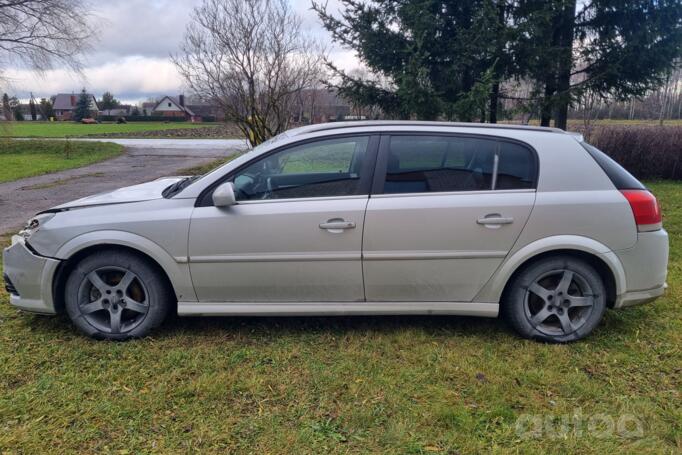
column 645, row 208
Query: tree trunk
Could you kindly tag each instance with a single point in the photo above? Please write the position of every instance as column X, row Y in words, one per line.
column 565, row 64
column 494, row 99
column 495, row 92
column 546, row 107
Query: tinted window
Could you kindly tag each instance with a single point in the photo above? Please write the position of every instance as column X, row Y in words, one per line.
column 516, row 168
column 621, row 178
column 318, row 169
column 418, row 164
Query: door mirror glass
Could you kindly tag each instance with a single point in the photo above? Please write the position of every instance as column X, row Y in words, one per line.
column 223, row 196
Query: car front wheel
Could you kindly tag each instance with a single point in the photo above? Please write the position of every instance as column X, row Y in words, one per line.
column 557, row 299
column 116, row 295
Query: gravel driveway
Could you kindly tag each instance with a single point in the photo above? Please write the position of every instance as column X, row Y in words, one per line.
column 144, row 160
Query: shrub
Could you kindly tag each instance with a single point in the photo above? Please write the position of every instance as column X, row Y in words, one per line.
column 648, row 152
column 149, row 118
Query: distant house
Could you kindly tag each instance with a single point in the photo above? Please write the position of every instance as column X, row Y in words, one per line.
column 175, row 107
column 207, row 111
column 191, row 109
column 121, row 111
column 65, row 103
column 147, row 108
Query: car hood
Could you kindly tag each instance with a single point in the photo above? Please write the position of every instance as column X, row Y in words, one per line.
column 136, row 193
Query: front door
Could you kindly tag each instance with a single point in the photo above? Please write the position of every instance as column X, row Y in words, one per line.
column 296, row 232
column 447, row 211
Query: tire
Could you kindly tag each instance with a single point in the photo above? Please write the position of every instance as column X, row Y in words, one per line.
column 116, row 295
column 558, row 299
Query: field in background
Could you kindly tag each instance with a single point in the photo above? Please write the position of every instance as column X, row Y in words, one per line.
column 20, row 159
column 64, row 129
column 408, row 385
column 579, row 124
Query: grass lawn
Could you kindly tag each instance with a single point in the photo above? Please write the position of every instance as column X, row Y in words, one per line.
column 208, row 167
column 408, row 385
column 63, row 129
column 19, row 159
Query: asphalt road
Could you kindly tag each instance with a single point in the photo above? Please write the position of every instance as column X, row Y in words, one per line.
column 144, row 160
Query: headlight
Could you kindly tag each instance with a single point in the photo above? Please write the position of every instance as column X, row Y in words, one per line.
column 34, row 224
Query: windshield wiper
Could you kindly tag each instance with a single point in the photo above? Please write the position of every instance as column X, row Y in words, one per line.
column 178, row 186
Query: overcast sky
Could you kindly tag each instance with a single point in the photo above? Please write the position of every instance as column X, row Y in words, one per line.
column 130, row 58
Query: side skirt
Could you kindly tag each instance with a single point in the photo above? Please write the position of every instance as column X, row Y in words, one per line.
column 490, row 310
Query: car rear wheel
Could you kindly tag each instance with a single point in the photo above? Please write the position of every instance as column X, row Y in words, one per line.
column 557, row 299
column 116, row 295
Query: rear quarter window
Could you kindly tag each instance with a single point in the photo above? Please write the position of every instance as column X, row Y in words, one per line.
column 621, row 178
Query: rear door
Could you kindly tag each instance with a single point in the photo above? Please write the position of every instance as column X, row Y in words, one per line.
column 444, row 213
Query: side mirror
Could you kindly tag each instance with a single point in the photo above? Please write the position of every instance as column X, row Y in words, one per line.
column 223, row 196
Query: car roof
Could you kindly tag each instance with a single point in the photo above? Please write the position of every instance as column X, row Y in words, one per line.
column 411, row 123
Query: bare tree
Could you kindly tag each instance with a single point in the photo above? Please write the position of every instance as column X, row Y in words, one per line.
column 40, row 34
column 253, row 58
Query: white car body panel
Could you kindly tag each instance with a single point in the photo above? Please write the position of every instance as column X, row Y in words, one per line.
column 492, row 292
column 276, row 251
column 431, row 247
column 143, row 192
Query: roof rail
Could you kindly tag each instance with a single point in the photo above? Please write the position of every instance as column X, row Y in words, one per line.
column 389, row 123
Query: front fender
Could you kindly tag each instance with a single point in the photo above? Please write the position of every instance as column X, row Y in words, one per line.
column 492, row 291
column 176, row 270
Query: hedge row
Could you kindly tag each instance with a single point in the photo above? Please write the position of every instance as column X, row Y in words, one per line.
column 149, row 118
column 648, row 152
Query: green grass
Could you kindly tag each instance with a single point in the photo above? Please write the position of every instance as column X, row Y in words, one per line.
column 208, row 167
column 20, row 159
column 399, row 385
column 64, row 129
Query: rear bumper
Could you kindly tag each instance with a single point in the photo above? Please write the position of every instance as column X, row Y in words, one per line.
column 639, row 297
column 30, row 278
column 646, row 269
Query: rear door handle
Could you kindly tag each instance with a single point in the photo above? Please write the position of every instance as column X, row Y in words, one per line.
column 495, row 220
column 337, row 225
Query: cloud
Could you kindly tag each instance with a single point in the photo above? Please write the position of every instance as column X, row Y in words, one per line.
column 131, row 57
column 151, row 28
column 128, row 78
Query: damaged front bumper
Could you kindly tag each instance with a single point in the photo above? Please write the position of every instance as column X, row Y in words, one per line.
column 28, row 277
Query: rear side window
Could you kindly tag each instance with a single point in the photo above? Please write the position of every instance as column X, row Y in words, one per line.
column 516, row 168
column 422, row 164
column 621, row 178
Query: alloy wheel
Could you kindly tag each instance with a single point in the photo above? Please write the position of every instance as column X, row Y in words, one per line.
column 559, row 302
column 113, row 299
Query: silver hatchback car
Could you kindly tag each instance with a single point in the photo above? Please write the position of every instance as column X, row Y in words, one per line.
column 356, row 219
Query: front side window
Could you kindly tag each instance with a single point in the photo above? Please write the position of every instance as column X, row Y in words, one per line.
column 423, row 164
column 319, row 169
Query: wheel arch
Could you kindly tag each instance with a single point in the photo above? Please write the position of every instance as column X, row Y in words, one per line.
column 174, row 272
column 595, row 253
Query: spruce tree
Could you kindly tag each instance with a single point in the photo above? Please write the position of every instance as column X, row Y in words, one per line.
column 6, row 109
column 32, row 109
column 443, row 58
column 83, row 105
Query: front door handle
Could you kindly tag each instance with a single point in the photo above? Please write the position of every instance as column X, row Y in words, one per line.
column 337, row 225
column 494, row 220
